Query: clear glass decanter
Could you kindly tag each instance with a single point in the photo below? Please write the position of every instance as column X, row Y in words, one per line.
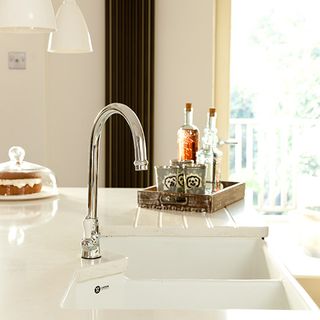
column 210, row 155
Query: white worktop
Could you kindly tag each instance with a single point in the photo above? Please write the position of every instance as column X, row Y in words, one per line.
column 40, row 250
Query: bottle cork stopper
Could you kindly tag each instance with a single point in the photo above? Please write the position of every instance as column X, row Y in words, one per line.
column 212, row 112
column 188, row 106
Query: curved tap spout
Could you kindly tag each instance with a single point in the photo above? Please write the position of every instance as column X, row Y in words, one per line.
column 90, row 243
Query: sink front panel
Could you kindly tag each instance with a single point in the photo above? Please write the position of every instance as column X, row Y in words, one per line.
column 181, row 295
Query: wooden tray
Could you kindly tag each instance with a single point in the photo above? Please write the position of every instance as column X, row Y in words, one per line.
column 152, row 199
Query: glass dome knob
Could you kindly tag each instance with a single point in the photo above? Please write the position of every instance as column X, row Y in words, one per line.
column 16, row 154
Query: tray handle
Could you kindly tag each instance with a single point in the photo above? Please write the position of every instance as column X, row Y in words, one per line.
column 173, row 200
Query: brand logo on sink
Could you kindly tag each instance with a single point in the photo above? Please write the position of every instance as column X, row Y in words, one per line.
column 97, row 289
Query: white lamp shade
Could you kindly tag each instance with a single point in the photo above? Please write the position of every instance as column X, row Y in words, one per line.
column 27, row 16
column 72, row 35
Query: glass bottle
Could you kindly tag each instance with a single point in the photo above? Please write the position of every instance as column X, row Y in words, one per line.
column 210, row 155
column 188, row 136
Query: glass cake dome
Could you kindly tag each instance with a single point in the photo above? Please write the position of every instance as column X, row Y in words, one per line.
column 22, row 180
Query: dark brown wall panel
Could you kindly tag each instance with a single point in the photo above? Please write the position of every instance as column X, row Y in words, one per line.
column 129, row 80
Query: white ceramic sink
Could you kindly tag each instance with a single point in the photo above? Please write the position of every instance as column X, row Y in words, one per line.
column 194, row 273
column 193, row 257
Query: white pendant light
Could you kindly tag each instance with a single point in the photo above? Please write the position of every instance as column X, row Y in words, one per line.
column 27, row 16
column 72, row 35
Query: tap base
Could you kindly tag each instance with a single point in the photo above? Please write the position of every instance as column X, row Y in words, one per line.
column 91, row 243
column 88, row 256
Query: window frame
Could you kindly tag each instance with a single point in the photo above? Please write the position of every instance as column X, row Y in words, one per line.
column 221, row 72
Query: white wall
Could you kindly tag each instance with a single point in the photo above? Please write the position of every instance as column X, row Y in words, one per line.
column 49, row 108
column 183, row 68
column 22, row 97
column 75, row 95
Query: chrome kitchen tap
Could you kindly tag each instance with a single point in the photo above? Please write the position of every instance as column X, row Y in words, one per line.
column 91, row 242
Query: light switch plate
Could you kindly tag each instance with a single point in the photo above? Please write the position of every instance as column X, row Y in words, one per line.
column 17, row 60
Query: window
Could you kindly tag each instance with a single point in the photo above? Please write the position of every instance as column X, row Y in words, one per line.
column 275, row 102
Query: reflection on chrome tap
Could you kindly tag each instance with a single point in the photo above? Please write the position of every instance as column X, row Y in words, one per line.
column 90, row 243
